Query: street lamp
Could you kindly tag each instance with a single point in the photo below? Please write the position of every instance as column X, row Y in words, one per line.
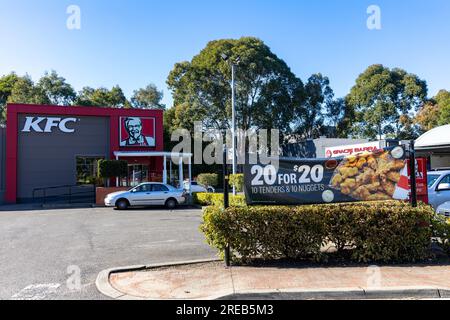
column 233, row 111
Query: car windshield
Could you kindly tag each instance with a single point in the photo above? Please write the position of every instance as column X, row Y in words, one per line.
column 431, row 179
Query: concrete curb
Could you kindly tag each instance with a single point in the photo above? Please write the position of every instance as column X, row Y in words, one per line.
column 66, row 206
column 104, row 286
column 358, row 293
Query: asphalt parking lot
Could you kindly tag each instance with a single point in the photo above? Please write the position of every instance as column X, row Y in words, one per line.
column 43, row 251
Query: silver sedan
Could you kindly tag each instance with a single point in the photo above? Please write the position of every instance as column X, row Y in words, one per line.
column 147, row 194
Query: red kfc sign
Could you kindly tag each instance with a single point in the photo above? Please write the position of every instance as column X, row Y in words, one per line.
column 421, row 179
column 137, row 132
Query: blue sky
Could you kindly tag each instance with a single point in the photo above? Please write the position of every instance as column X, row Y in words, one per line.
column 135, row 42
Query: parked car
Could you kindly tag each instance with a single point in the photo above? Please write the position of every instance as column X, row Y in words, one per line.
column 197, row 187
column 444, row 209
column 147, row 194
column 438, row 187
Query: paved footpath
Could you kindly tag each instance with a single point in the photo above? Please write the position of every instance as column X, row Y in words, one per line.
column 210, row 280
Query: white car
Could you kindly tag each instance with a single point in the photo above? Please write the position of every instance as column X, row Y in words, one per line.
column 444, row 209
column 147, row 194
column 197, row 187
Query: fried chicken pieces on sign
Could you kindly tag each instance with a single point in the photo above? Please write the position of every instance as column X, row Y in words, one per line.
column 368, row 176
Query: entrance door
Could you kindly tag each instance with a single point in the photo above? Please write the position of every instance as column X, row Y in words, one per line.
column 137, row 173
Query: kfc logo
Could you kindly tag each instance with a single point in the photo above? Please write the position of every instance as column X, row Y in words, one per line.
column 137, row 132
column 34, row 124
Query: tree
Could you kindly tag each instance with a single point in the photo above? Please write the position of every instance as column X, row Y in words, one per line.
column 6, row 85
column 443, row 101
column 428, row 116
column 434, row 112
column 336, row 111
column 102, row 97
column 58, row 91
column 310, row 118
column 148, row 98
column 384, row 102
column 25, row 91
column 267, row 92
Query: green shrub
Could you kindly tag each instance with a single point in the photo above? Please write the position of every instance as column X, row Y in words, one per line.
column 112, row 168
column 208, row 179
column 216, row 199
column 237, row 180
column 441, row 232
column 372, row 232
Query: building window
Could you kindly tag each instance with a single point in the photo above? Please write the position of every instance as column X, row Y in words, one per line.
column 87, row 169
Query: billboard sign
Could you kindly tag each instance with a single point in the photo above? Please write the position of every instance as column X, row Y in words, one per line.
column 359, row 177
column 137, row 132
column 334, row 152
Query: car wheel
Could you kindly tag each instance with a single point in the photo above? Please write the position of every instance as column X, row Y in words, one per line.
column 210, row 190
column 122, row 204
column 171, row 203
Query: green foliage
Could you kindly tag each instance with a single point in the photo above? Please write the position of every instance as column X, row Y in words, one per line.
column 428, row 116
column 216, row 199
column 441, row 232
column 148, row 98
column 237, row 180
column 102, row 97
column 443, row 101
column 208, row 179
column 435, row 112
column 383, row 100
column 6, row 86
column 112, row 168
column 53, row 89
column 310, row 119
column 57, row 90
column 25, row 91
column 267, row 92
column 370, row 232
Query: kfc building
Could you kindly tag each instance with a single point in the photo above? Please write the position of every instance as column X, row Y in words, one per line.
column 54, row 146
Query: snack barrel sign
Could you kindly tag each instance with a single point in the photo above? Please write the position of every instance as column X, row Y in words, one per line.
column 361, row 177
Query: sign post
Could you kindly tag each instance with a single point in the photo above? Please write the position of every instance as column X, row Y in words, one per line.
column 226, row 201
column 412, row 170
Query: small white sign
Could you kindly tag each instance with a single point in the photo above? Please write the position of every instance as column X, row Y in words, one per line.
column 333, row 152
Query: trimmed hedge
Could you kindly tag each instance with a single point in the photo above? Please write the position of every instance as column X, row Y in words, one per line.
column 208, row 179
column 370, row 231
column 112, row 168
column 216, row 199
column 441, row 232
column 237, row 180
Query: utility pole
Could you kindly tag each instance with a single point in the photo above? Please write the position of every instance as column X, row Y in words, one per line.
column 412, row 174
column 226, row 202
column 233, row 121
column 233, row 65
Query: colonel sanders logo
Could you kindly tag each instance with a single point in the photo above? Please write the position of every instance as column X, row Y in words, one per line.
column 137, row 132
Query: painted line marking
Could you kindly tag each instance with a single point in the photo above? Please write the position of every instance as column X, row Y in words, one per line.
column 36, row 291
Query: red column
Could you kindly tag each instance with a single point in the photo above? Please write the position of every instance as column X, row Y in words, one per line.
column 11, row 155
